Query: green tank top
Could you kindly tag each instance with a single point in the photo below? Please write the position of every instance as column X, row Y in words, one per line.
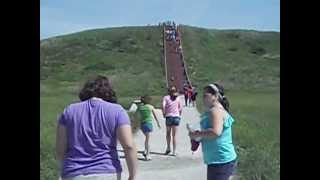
column 145, row 112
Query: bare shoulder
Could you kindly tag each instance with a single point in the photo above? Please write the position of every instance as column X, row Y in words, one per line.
column 217, row 112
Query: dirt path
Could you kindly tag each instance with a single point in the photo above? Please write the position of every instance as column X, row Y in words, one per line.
column 165, row 167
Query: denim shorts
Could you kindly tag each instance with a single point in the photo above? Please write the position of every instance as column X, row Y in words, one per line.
column 221, row 171
column 146, row 127
column 95, row 177
column 172, row 121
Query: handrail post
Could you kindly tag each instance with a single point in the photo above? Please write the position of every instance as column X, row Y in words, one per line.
column 165, row 54
column 184, row 63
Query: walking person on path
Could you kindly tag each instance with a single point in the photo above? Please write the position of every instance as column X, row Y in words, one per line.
column 185, row 92
column 172, row 110
column 216, row 134
column 87, row 135
column 194, row 96
column 189, row 90
column 147, row 115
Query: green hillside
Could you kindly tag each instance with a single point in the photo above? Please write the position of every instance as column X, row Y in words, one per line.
column 247, row 63
column 240, row 59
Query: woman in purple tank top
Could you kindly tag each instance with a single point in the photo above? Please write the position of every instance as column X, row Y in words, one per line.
column 88, row 132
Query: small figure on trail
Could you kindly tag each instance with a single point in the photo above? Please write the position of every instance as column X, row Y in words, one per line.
column 167, row 35
column 194, row 96
column 179, row 49
column 216, row 134
column 147, row 115
column 185, row 92
column 172, row 110
column 189, row 93
column 177, row 39
column 173, row 36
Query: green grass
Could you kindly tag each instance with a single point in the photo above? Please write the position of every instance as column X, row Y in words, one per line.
column 247, row 63
column 209, row 58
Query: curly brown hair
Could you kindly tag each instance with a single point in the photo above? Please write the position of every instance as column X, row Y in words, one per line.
column 99, row 87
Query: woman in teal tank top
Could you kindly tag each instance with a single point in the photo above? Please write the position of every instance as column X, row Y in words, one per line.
column 216, row 134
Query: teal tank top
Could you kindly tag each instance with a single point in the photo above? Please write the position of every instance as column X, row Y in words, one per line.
column 218, row 150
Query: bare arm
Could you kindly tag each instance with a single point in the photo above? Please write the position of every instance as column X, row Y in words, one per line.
column 124, row 135
column 164, row 107
column 61, row 144
column 180, row 108
column 155, row 117
column 216, row 118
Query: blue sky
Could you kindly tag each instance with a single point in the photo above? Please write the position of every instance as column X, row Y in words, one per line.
column 59, row 17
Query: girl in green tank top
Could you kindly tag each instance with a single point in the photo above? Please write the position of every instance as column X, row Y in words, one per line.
column 147, row 114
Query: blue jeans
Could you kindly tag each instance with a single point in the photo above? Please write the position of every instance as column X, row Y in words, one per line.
column 146, row 127
column 172, row 121
column 221, row 171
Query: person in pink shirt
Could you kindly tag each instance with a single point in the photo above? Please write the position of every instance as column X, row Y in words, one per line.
column 172, row 109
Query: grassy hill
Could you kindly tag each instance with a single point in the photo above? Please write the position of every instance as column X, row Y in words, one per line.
column 247, row 63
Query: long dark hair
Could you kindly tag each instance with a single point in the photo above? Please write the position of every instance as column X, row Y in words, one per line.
column 171, row 91
column 99, row 87
column 221, row 98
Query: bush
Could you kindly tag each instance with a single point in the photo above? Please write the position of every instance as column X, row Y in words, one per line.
column 148, row 37
column 100, row 66
column 233, row 49
column 233, row 35
column 258, row 50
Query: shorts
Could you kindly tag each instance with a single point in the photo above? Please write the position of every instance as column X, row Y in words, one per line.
column 172, row 121
column 221, row 171
column 146, row 127
column 95, row 177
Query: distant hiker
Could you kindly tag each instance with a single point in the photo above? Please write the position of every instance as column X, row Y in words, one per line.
column 178, row 40
column 88, row 132
column 147, row 115
column 189, row 94
column 185, row 92
column 172, row 110
column 216, row 134
column 167, row 34
column 175, row 32
column 179, row 49
column 194, row 96
column 173, row 35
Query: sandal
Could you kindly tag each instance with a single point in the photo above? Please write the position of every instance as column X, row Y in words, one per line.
column 167, row 152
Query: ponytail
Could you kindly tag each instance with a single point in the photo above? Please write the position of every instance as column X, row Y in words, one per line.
column 223, row 99
column 225, row 103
